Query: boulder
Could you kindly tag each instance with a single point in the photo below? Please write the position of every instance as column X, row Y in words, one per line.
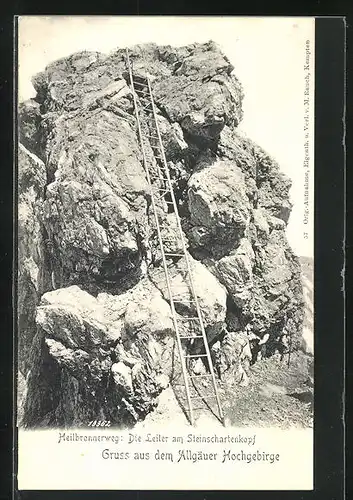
column 211, row 295
column 232, row 358
column 150, row 316
column 122, row 378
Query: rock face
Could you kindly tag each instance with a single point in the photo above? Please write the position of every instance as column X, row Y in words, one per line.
column 108, row 356
column 33, row 275
column 219, row 207
column 232, row 357
column 308, row 289
column 96, row 337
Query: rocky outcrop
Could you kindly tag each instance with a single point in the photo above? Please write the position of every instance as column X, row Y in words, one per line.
column 108, row 356
column 307, row 265
column 218, row 205
column 33, row 275
column 232, row 357
column 97, row 331
column 96, row 200
column 235, row 271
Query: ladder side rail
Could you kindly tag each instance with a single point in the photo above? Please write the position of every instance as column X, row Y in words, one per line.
column 198, row 309
column 180, row 347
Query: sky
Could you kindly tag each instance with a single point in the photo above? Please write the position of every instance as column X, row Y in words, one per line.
column 268, row 54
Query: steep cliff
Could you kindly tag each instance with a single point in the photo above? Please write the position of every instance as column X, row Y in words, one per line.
column 97, row 338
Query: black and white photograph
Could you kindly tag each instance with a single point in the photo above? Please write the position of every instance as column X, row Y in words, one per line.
column 165, row 249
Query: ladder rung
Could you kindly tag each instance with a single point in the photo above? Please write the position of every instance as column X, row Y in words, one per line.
column 196, row 408
column 139, row 83
column 156, row 177
column 172, row 254
column 151, row 136
column 146, row 137
column 189, row 318
column 190, row 301
column 195, row 355
column 203, row 397
column 190, row 337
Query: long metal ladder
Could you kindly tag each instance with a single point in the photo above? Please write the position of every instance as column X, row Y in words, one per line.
column 161, row 189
